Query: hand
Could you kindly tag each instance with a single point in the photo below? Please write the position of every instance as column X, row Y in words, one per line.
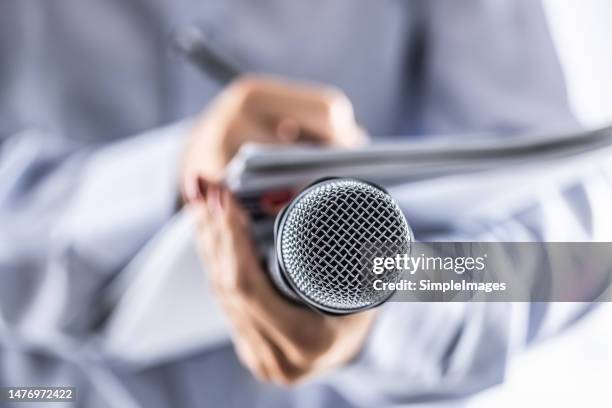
column 266, row 110
column 276, row 340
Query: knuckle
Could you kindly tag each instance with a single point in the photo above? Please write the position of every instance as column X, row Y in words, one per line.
column 335, row 98
column 338, row 111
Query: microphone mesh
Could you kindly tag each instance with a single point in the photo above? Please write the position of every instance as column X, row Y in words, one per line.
column 330, row 237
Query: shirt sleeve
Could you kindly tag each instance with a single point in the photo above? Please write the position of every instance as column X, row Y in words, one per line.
column 72, row 218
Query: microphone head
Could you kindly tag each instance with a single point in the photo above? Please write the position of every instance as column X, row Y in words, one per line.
column 328, row 237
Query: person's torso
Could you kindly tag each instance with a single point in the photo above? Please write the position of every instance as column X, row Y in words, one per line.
column 91, row 70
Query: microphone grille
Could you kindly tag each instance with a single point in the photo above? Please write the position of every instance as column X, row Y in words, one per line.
column 329, row 238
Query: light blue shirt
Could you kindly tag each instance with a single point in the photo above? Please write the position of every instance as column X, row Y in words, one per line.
column 92, row 123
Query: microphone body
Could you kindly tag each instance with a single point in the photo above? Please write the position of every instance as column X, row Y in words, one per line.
column 326, row 240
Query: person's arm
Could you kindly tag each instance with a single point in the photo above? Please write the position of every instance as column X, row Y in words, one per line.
column 73, row 217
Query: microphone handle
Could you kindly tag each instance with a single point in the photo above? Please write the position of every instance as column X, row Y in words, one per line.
column 277, row 278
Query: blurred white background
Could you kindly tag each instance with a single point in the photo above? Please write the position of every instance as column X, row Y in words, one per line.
column 583, row 33
column 570, row 370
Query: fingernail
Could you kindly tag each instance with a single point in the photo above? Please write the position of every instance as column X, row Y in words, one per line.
column 202, row 186
column 195, row 190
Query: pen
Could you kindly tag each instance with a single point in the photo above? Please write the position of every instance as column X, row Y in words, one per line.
column 195, row 44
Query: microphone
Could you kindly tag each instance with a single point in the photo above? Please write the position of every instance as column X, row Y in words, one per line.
column 326, row 240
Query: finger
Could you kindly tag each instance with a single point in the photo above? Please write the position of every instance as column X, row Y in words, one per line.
column 208, row 230
column 251, row 129
column 287, row 130
column 272, row 129
column 253, row 346
column 321, row 113
column 263, row 361
column 250, row 346
column 299, row 332
column 350, row 136
column 265, row 94
column 253, row 349
column 274, row 339
column 285, row 371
